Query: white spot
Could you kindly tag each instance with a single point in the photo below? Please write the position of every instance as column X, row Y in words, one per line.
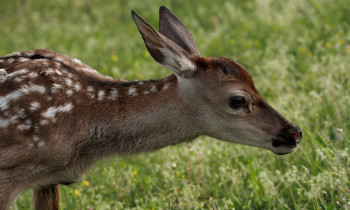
column 23, row 59
column 33, row 74
column 36, row 138
column 17, row 94
column 31, row 145
column 77, row 61
column 70, row 75
column 132, row 91
column 59, row 59
column 44, row 122
column 5, row 100
column 20, row 78
column 13, row 74
column 26, row 126
column 166, row 85
column 49, row 72
column 92, row 96
column 51, row 112
column 69, row 92
column 90, row 89
column 3, row 72
column 58, row 72
column 55, row 88
column 88, row 69
column 100, row 95
column 36, row 88
column 29, row 53
column 153, row 89
column 36, row 128
column 77, row 86
column 34, row 106
column 69, row 82
column 113, row 95
column 10, row 60
column 41, row 143
column 6, row 122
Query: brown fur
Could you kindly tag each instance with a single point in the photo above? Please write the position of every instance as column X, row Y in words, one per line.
column 58, row 116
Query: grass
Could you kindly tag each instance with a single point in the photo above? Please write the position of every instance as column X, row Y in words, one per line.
column 298, row 52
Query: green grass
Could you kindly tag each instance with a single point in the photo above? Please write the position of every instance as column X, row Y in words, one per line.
column 298, row 52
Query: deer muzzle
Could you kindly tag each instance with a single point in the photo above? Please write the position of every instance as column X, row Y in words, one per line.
column 290, row 136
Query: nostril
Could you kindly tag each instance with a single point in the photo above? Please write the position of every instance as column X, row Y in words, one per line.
column 292, row 134
column 297, row 136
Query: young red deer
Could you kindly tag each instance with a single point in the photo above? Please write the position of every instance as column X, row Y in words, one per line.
column 58, row 116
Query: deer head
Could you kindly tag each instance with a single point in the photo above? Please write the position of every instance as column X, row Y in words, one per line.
column 219, row 90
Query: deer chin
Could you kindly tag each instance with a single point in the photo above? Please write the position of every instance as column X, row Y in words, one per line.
column 280, row 147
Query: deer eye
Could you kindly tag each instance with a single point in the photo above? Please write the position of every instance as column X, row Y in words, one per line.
column 237, row 102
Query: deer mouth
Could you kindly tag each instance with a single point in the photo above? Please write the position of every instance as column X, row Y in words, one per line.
column 288, row 139
column 282, row 147
column 280, row 143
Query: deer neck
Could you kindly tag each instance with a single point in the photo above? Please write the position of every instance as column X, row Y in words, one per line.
column 144, row 116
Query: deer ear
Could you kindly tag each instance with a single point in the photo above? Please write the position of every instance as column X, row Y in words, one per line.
column 165, row 51
column 172, row 27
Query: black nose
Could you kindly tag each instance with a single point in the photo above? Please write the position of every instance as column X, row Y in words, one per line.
column 291, row 134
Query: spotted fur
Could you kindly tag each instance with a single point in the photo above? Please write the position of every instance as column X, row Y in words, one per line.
column 58, row 116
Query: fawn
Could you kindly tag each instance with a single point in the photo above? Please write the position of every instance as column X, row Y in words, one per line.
column 58, row 116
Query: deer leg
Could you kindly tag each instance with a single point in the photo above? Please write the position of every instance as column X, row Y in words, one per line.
column 6, row 196
column 46, row 198
column 4, row 199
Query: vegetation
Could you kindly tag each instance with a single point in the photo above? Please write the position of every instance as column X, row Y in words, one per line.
column 298, row 52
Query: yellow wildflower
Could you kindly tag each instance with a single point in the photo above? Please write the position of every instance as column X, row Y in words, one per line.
column 76, row 193
column 342, row 41
column 302, row 50
column 134, row 172
column 115, row 58
column 328, row 45
column 178, row 173
column 85, row 183
column 183, row 176
column 347, row 50
column 309, row 54
column 256, row 43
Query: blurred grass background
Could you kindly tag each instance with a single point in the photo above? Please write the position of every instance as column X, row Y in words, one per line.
column 298, row 52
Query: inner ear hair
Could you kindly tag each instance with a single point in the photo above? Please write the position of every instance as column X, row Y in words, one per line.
column 165, row 51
